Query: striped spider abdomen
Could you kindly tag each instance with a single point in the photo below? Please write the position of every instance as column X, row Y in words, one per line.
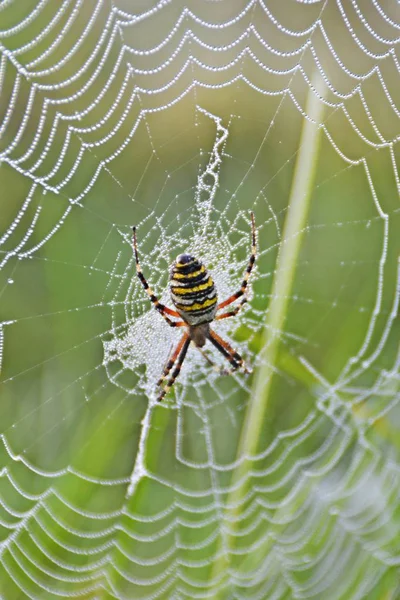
column 192, row 290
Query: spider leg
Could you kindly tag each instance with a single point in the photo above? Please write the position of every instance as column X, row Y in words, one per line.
column 175, row 372
column 216, row 368
column 231, row 313
column 171, row 359
column 249, row 268
column 162, row 309
column 226, row 349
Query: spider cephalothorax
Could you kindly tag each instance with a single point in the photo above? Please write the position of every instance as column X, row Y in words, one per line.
column 195, row 298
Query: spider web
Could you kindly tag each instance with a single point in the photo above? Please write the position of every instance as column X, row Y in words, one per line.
column 181, row 119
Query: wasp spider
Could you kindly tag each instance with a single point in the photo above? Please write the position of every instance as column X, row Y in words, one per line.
column 195, row 298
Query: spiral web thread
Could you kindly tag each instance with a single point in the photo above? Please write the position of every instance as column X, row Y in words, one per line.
column 181, row 119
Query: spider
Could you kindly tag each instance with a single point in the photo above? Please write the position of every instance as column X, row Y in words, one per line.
column 195, row 298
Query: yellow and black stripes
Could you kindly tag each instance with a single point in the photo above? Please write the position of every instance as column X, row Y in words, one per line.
column 195, row 298
column 192, row 290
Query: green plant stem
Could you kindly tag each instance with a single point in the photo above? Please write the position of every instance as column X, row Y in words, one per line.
column 296, row 218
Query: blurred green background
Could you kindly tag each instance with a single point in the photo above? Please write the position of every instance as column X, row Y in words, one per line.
column 101, row 130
